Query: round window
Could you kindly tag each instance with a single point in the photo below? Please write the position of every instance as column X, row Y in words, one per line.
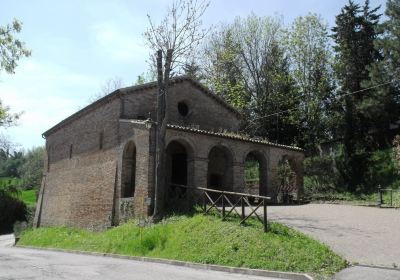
column 183, row 108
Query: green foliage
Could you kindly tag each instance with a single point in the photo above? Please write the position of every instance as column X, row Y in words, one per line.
column 324, row 175
column 311, row 55
column 316, row 178
column 381, row 106
column 382, row 170
column 252, row 170
column 354, row 36
column 396, row 152
column 29, row 197
column 11, row 208
column 285, row 173
column 201, row 239
column 12, row 49
column 32, row 169
column 10, row 163
column 6, row 117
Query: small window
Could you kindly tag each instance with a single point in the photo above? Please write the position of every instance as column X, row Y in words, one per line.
column 101, row 140
column 183, row 109
column 70, row 151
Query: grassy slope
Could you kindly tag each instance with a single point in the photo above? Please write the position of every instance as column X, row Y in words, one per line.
column 202, row 239
column 29, row 197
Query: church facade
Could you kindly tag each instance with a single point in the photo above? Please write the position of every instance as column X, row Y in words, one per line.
column 99, row 169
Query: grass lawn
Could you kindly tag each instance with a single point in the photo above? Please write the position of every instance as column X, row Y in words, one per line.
column 201, row 239
column 29, row 197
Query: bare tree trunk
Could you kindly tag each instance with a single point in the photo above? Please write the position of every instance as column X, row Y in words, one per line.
column 161, row 127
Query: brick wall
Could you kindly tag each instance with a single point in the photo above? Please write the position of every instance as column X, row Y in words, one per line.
column 78, row 189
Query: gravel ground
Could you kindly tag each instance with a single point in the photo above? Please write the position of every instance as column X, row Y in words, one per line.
column 365, row 235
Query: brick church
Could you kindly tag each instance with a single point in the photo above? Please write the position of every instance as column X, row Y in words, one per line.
column 99, row 168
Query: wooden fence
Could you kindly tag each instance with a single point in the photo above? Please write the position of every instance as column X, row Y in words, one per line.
column 225, row 202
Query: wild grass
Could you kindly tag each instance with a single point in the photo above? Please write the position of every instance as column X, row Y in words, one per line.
column 201, row 239
column 29, row 197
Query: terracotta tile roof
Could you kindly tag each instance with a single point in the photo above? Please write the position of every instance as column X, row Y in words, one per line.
column 233, row 136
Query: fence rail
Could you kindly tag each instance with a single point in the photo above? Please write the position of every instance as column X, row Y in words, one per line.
column 226, row 203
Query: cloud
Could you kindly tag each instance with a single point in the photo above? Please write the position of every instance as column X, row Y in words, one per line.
column 117, row 44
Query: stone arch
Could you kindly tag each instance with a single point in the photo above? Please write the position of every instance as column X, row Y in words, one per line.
column 256, row 159
column 179, row 162
column 220, row 168
column 291, row 184
column 128, row 172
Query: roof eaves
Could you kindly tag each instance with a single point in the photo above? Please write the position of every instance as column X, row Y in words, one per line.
column 232, row 136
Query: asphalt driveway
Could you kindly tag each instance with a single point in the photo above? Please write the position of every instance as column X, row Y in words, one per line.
column 365, row 235
column 20, row 263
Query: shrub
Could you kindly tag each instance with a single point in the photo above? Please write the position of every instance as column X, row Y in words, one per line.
column 11, row 208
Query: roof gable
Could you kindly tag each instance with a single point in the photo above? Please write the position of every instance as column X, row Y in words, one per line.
column 131, row 89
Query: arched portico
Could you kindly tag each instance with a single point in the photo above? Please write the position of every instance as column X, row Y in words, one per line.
column 220, row 168
column 255, row 173
column 128, row 175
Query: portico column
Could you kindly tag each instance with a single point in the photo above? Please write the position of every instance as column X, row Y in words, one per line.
column 238, row 177
column 200, row 172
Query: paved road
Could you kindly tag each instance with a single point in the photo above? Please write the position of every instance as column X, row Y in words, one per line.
column 19, row 263
column 365, row 235
column 367, row 273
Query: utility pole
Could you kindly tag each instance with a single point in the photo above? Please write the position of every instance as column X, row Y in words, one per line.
column 161, row 128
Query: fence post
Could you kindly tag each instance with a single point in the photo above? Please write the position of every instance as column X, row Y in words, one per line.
column 391, row 197
column 265, row 216
column 242, row 204
column 223, row 207
column 380, row 196
column 204, row 202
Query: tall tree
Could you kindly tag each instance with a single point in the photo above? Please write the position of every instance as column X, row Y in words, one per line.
column 310, row 55
column 11, row 48
column 382, row 104
column 250, row 68
column 354, row 34
column 222, row 67
column 175, row 38
column 181, row 30
column 31, row 170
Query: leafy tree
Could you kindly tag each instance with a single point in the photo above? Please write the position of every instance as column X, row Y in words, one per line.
column 354, row 34
column 6, row 117
column 310, row 56
column 10, row 163
column 250, row 68
column 222, row 67
column 381, row 106
column 11, row 208
column 11, row 50
column 193, row 70
column 31, row 170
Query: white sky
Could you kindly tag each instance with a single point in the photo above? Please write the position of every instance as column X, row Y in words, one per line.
column 78, row 45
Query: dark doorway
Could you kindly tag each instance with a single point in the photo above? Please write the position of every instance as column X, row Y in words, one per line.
column 220, row 165
column 179, row 169
column 177, row 164
column 128, row 170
